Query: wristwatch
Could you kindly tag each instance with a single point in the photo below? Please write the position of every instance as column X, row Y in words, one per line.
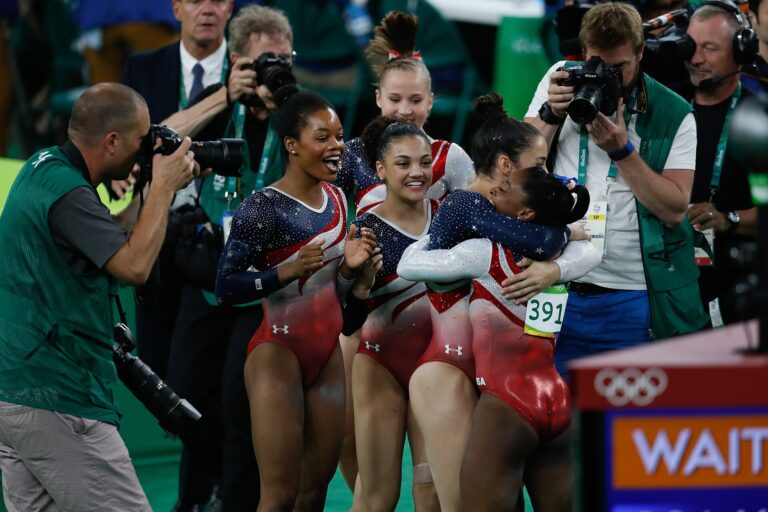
column 734, row 218
column 548, row 115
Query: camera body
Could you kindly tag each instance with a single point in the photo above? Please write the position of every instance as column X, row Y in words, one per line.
column 165, row 405
column 666, row 52
column 597, row 88
column 224, row 156
column 273, row 72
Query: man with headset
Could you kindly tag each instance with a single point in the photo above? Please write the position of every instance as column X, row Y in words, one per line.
column 722, row 206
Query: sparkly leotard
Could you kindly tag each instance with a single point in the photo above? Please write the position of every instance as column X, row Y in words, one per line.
column 451, row 169
column 398, row 327
column 268, row 229
column 464, row 215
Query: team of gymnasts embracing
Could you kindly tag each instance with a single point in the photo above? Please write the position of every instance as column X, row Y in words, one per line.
column 423, row 283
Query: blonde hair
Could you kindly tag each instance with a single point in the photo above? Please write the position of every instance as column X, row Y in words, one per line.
column 395, row 41
column 612, row 24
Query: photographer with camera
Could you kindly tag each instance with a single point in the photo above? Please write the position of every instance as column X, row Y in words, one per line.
column 638, row 166
column 722, row 206
column 207, row 341
column 63, row 253
column 182, row 332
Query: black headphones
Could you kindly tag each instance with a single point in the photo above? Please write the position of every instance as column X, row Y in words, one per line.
column 745, row 41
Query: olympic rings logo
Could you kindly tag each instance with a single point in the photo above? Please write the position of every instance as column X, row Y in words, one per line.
column 630, row 385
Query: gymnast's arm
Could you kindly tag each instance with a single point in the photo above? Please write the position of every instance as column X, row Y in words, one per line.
column 252, row 229
column 468, row 260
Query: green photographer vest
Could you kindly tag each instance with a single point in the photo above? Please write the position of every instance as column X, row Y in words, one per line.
column 671, row 273
column 55, row 325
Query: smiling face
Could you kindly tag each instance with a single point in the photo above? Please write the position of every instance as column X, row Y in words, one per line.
column 405, row 95
column 714, row 49
column 407, row 168
column 319, row 146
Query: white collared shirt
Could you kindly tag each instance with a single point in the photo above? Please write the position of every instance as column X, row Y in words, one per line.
column 622, row 264
column 211, row 64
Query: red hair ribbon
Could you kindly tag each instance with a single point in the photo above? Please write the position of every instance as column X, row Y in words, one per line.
column 394, row 54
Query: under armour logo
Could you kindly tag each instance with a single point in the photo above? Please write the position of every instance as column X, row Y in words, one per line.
column 42, row 157
column 375, row 347
column 276, row 329
column 458, row 348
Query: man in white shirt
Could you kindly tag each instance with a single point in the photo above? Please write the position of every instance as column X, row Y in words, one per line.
column 638, row 166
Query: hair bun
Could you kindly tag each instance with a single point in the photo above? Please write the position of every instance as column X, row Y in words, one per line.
column 491, row 105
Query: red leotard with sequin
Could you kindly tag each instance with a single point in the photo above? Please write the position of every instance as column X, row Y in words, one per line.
column 269, row 229
column 517, row 368
column 398, row 327
column 461, row 216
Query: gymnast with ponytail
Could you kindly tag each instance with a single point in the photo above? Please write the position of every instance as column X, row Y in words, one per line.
column 404, row 93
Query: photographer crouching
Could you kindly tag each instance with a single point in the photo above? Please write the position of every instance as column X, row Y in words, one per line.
column 63, row 252
column 632, row 142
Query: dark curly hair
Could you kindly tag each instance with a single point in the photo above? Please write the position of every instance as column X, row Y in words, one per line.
column 555, row 202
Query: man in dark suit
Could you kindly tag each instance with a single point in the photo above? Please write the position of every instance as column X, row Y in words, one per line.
column 169, row 79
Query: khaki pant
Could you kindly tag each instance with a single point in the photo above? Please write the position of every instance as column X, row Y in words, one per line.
column 58, row 462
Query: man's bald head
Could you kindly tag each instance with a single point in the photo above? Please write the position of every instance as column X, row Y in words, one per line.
column 103, row 108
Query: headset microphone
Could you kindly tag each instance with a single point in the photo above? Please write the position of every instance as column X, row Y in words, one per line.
column 709, row 84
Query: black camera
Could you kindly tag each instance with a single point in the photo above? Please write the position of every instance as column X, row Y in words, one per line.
column 224, row 156
column 165, row 405
column 273, row 72
column 666, row 52
column 597, row 88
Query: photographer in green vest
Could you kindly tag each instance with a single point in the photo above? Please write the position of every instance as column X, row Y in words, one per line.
column 63, row 252
column 632, row 142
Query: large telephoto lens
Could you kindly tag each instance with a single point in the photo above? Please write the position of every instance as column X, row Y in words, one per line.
column 224, row 156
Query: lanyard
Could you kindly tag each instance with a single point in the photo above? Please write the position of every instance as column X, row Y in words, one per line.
column 717, row 167
column 233, row 184
column 183, row 100
column 584, row 149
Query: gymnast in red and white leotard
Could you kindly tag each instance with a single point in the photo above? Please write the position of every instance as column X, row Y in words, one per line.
column 523, row 414
column 444, row 396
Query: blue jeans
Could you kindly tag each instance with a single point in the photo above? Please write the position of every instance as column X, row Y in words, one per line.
column 598, row 323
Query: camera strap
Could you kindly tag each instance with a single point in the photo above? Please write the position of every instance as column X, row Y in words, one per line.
column 120, row 310
column 269, row 142
column 717, row 166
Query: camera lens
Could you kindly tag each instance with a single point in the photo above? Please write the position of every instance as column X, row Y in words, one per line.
column 224, row 156
column 585, row 104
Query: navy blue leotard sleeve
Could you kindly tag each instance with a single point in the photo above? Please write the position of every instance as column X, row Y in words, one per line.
column 253, row 228
column 465, row 214
column 350, row 160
